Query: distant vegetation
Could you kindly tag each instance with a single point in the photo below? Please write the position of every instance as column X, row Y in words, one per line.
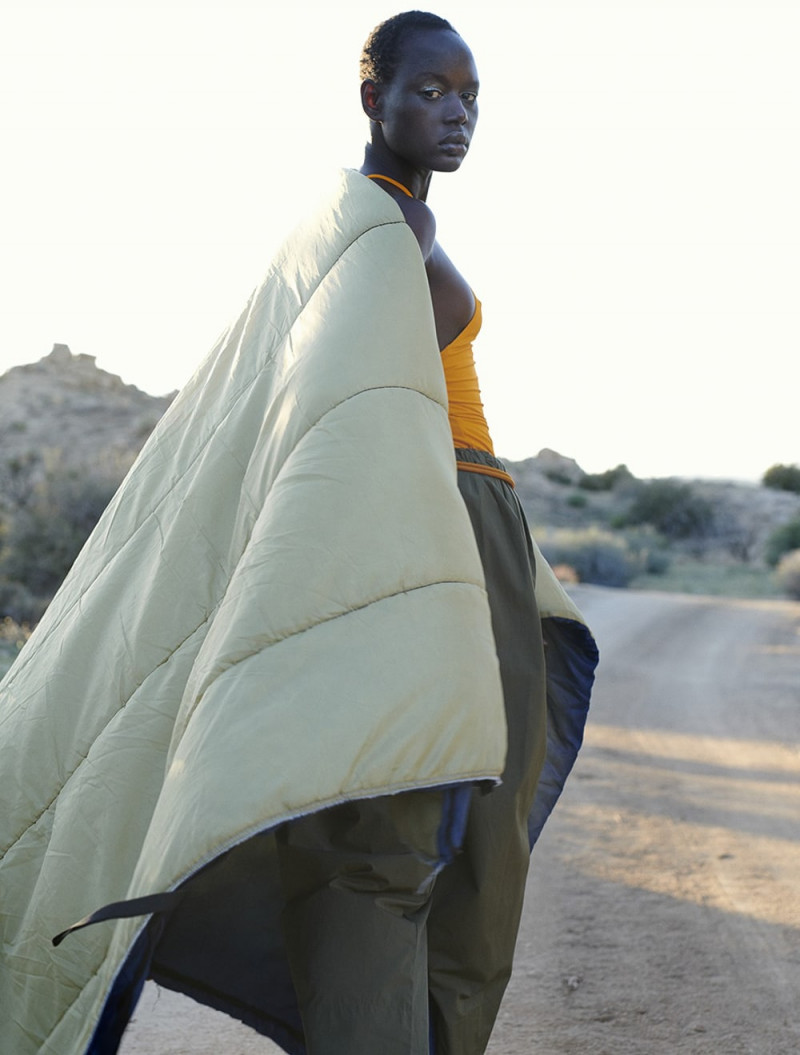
column 604, row 528
column 783, row 478
column 700, row 536
column 603, row 557
column 590, row 554
column 788, row 574
column 783, row 540
column 43, row 530
column 673, row 509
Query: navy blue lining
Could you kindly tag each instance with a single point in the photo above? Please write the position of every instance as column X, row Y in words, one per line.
column 125, row 992
column 453, row 826
column 571, row 660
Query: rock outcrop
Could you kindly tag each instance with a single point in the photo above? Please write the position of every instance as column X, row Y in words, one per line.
column 65, row 408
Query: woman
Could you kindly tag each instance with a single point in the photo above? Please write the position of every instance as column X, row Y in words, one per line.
column 420, row 91
column 252, row 720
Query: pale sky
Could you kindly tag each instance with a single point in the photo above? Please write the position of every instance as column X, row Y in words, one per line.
column 629, row 212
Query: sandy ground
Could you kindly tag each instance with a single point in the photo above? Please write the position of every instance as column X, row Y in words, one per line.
column 663, row 908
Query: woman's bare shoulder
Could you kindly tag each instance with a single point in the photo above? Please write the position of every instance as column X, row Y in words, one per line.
column 421, row 221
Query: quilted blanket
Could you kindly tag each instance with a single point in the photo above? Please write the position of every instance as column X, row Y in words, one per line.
column 282, row 608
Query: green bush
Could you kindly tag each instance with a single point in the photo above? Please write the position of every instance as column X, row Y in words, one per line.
column 42, row 538
column 577, row 501
column 782, row 540
column 782, row 478
column 596, row 556
column 649, row 550
column 17, row 603
column 788, row 573
column 673, row 509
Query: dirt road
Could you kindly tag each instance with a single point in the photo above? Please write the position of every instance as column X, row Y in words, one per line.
column 663, row 910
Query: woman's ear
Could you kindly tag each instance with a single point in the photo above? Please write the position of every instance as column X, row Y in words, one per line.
column 371, row 100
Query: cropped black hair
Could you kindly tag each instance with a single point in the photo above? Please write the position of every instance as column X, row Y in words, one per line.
column 381, row 53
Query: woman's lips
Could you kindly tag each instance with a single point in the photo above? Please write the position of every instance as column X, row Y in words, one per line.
column 455, row 144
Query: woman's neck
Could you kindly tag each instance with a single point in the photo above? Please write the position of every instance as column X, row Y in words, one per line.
column 379, row 159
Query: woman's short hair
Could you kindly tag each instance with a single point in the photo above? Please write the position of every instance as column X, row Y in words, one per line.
column 380, row 55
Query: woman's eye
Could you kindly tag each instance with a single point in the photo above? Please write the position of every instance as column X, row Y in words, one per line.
column 432, row 93
column 469, row 97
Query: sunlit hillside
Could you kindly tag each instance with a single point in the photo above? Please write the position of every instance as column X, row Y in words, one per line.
column 69, row 431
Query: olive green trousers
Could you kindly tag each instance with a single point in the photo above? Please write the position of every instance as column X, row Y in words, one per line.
column 390, row 955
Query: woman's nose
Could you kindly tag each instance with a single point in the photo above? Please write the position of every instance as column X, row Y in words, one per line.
column 457, row 114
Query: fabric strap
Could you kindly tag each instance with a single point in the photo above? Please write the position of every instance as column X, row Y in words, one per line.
column 388, row 179
column 138, row 906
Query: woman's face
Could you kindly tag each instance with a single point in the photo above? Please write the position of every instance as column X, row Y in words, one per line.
column 429, row 111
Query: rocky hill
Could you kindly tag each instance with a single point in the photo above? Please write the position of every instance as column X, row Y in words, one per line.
column 65, row 408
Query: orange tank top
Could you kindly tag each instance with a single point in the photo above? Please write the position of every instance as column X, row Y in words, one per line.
column 465, row 409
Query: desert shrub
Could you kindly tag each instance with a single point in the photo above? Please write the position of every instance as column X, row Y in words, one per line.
column 607, row 480
column 577, row 501
column 13, row 633
column 45, row 537
column 782, row 478
column 788, row 573
column 558, row 477
column 734, row 530
column 596, row 556
column 15, row 477
column 19, row 605
column 42, row 538
column 673, row 509
column 782, row 540
column 649, row 549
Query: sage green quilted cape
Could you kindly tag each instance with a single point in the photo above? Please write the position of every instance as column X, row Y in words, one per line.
column 282, row 608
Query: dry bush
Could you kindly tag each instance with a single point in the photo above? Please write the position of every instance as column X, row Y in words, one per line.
column 595, row 556
column 41, row 538
column 788, row 574
column 784, row 539
column 674, row 509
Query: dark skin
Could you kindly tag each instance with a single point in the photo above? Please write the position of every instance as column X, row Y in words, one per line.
column 422, row 122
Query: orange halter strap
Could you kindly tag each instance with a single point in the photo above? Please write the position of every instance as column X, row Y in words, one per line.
column 388, row 179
